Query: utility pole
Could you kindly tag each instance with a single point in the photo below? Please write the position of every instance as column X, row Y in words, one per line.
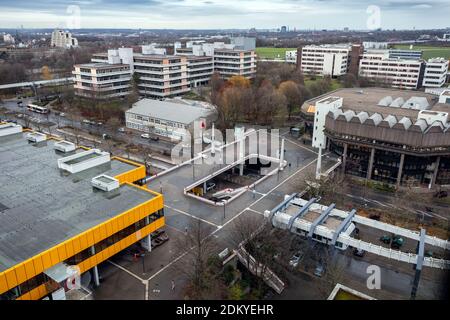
column 224, row 209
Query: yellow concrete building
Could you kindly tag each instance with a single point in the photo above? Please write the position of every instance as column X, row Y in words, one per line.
column 56, row 218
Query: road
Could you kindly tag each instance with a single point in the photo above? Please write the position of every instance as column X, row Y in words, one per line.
column 59, row 122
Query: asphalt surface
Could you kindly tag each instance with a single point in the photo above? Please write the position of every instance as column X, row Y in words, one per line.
column 58, row 122
column 125, row 278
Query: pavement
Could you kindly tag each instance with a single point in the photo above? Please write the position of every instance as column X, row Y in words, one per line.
column 125, row 278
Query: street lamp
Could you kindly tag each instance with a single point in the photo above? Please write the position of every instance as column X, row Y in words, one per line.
column 224, row 209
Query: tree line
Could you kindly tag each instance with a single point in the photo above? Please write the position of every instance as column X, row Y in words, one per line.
column 276, row 93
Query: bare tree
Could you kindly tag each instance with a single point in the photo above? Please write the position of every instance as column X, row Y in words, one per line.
column 199, row 247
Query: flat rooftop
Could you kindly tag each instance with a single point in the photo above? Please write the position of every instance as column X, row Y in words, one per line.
column 331, row 222
column 100, row 65
column 42, row 206
column 367, row 99
column 172, row 110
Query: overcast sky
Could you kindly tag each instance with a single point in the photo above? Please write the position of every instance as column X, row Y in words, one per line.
column 225, row 14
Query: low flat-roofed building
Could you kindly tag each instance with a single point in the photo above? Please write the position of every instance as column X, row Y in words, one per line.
column 170, row 118
column 393, row 136
column 52, row 220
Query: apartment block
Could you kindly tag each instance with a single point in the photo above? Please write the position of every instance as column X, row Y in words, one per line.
column 436, row 70
column 200, row 70
column 63, row 39
column 102, row 80
column 398, row 73
column 291, row 56
column 161, row 76
column 230, row 62
column 325, row 60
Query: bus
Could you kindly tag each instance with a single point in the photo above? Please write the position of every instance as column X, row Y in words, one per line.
column 38, row 109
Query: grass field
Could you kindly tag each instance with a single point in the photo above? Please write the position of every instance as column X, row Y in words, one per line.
column 335, row 84
column 272, row 53
column 428, row 51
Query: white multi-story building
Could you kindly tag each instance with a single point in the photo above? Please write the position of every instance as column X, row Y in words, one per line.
column 229, row 62
column 63, row 39
column 162, row 76
column 291, row 56
column 322, row 108
column 102, row 80
column 436, row 70
column 200, row 70
column 7, row 38
column 397, row 73
column 244, row 43
column 326, row 60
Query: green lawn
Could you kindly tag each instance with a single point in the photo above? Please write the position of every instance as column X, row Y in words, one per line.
column 272, row 53
column 428, row 51
column 335, row 84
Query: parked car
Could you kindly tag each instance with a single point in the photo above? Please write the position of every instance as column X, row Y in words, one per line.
column 85, row 121
column 154, row 138
column 397, row 242
column 62, row 114
column 295, row 260
column 121, row 129
column 145, row 136
column 106, row 136
column 318, row 272
column 385, row 239
column 358, row 252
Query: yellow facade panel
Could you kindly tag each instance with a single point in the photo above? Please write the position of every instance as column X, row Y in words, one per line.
column 62, row 252
column 26, row 296
column 69, row 248
column 21, row 274
column 3, row 283
column 54, row 256
column 76, row 245
column 11, row 278
column 83, row 241
column 96, row 233
column 115, row 226
column 90, row 238
column 38, row 267
column 46, row 260
column 119, row 221
column 34, row 294
column 42, row 290
column 109, row 229
column 29, row 269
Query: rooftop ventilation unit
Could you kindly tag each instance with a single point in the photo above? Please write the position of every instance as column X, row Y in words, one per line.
column 7, row 129
column 36, row 137
column 64, row 146
column 386, row 101
column 105, row 183
column 84, row 160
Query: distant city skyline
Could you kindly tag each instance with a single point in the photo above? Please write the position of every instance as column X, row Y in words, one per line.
column 225, row 14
